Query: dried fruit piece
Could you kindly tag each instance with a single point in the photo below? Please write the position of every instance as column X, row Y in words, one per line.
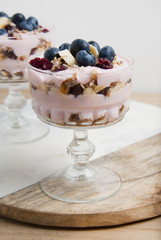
column 41, row 63
column 104, row 63
column 60, row 68
column 76, row 90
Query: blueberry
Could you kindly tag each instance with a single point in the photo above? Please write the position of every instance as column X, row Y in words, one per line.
column 18, row 18
column 3, row 14
column 24, row 25
column 2, row 31
column 107, row 52
column 95, row 44
column 50, row 53
column 78, row 45
column 64, row 46
column 33, row 21
column 85, row 58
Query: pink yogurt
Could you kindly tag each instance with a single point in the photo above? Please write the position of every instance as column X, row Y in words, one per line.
column 55, row 107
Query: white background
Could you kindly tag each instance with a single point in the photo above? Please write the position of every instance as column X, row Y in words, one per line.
column 129, row 26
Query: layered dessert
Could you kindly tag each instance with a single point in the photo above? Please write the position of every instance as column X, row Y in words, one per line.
column 80, row 84
column 20, row 38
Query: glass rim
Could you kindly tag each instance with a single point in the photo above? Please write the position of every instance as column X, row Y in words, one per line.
column 104, row 71
column 51, row 28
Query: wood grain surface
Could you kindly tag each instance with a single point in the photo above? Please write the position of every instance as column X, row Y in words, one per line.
column 139, row 166
column 144, row 230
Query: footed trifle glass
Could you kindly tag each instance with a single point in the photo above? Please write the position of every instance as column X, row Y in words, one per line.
column 15, row 48
column 81, row 98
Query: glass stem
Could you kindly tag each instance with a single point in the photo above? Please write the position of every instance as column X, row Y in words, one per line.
column 14, row 104
column 81, row 149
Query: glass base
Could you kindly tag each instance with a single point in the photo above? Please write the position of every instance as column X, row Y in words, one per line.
column 30, row 130
column 104, row 184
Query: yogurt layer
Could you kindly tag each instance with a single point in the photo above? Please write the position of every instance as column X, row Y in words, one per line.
column 104, row 98
column 14, row 53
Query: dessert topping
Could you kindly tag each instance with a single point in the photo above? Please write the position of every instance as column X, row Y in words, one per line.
column 2, row 31
column 64, row 46
column 94, row 51
column 104, row 63
column 78, row 45
column 85, row 58
column 4, row 21
column 95, row 44
column 107, row 52
column 41, row 63
column 67, row 57
column 51, row 53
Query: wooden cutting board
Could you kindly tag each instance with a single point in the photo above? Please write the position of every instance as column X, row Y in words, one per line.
column 139, row 166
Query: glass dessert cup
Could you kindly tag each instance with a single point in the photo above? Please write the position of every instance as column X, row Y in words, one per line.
column 82, row 182
column 14, row 53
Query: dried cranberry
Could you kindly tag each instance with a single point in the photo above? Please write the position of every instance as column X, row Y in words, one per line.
column 104, row 63
column 41, row 63
column 76, row 90
column 60, row 68
column 45, row 30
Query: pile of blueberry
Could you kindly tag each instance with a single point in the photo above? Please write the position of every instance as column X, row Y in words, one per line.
column 21, row 23
column 80, row 49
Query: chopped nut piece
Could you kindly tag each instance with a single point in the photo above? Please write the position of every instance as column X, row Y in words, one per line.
column 67, row 57
column 18, row 74
column 74, row 118
column 98, row 88
column 116, row 88
column 88, row 91
column 94, row 75
column 94, row 51
column 67, row 84
column 4, row 21
column 22, row 58
column 122, row 108
column 5, row 73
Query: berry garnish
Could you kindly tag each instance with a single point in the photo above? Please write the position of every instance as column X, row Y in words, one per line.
column 64, row 46
column 2, row 31
column 107, row 52
column 18, row 18
column 45, row 30
column 3, row 14
column 95, row 44
column 85, row 58
column 33, row 21
column 41, row 63
column 50, row 53
column 24, row 25
column 104, row 63
column 60, row 68
column 78, row 45
column 76, row 90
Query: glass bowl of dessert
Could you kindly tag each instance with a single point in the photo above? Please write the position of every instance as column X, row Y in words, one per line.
column 80, row 86
column 19, row 39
